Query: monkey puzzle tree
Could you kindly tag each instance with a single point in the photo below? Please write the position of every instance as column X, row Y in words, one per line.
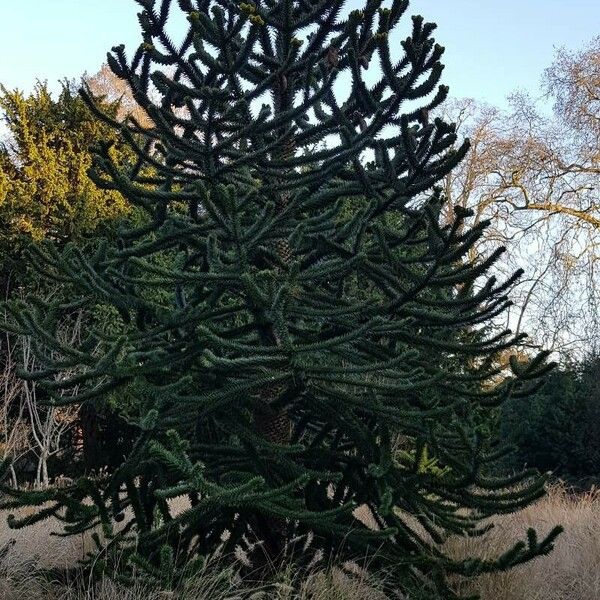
column 293, row 304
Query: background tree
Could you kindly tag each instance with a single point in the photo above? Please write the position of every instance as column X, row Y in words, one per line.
column 105, row 84
column 573, row 83
column 47, row 426
column 558, row 429
column 536, row 176
column 44, row 188
column 45, row 193
column 14, row 432
column 290, row 343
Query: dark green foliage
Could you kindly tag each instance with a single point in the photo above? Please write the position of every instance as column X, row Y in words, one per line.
column 558, row 428
column 314, row 308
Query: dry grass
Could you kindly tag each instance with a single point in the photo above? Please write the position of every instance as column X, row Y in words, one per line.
column 19, row 582
column 571, row 572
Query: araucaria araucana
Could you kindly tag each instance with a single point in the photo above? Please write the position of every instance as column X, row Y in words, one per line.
column 299, row 330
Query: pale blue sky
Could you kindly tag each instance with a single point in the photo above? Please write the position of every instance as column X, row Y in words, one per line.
column 492, row 46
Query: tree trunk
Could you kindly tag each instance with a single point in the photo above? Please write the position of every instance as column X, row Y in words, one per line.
column 88, row 418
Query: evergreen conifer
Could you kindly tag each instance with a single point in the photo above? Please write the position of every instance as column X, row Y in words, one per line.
column 293, row 309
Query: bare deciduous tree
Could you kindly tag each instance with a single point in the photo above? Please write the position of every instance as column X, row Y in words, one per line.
column 573, row 82
column 107, row 85
column 48, row 423
column 13, row 427
column 537, row 177
column 29, row 425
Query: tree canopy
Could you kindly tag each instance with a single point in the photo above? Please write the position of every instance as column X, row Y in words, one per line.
column 292, row 309
column 45, row 192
